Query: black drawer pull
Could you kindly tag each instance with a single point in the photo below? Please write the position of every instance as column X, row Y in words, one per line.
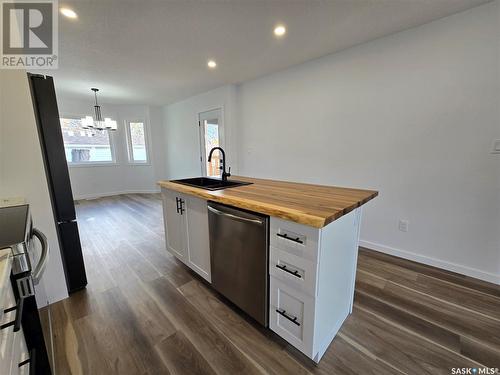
column 19, row 313
column 289, row 317
column 31, row 361
column 285, row 236
column 294, row 273
column 8, row 310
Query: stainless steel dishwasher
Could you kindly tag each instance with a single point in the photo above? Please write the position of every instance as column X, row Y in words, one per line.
column 239, row 258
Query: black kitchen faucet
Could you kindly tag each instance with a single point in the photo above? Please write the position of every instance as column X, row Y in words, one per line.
column 222, row 167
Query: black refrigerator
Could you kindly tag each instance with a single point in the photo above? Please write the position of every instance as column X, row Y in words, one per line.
column 56, row 169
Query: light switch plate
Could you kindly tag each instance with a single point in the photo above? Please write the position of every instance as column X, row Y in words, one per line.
column 496, row 147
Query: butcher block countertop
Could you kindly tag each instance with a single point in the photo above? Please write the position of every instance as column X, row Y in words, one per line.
column 313, row 205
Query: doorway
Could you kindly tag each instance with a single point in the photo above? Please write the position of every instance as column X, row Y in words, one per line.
column 211, row 127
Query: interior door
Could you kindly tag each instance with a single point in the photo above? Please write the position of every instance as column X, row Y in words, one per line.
column 175, row 225
column 211, row 129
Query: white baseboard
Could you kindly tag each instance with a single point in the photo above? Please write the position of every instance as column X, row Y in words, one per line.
column 449, row 266
column 109, row 194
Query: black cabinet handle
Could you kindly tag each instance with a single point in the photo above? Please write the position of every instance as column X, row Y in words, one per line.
column 285, row 236
column 19, row 313
column 283, row 313
column 31, row 360
column 294, row 273
column 177, row 203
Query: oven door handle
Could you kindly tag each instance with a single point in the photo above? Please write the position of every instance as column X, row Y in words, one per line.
column 44, row 256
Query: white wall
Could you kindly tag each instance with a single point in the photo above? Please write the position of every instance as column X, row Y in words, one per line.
column 158, row 148
column 122, row 177
column 182, row 135
column 412, row 115
column 22, row 173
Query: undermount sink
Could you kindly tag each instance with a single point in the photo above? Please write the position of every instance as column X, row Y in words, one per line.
column 208, row 183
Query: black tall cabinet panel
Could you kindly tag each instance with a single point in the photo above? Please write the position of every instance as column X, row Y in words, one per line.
column 56, row 169
column 70, row 239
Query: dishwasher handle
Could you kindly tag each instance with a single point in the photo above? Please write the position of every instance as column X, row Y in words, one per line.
column 235, row 217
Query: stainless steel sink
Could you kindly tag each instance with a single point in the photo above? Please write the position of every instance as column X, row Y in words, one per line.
column 208, row 183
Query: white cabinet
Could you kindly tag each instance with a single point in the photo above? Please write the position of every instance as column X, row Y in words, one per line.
column 312, row 271
column 312, row 274
column 291, row 315
column 20, row 356
column 7, row 334
column 197, row 236
column 13, row 349
column 295, row 271
column 186, row 230
column 175, row 224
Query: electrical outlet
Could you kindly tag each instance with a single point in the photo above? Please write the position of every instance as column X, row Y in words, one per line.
column 403, row 225
column 496, row 147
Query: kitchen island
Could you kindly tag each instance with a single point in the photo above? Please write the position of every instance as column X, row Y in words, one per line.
column 312, row 250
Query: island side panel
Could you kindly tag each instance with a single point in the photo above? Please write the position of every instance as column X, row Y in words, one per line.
column 336, row 277
column 358, row 214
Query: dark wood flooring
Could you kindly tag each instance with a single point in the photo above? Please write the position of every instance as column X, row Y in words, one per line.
column 144, row 312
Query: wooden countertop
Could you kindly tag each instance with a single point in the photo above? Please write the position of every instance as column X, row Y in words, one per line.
column 313, row 205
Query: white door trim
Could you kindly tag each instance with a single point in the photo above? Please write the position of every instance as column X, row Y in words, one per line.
column 201, row 137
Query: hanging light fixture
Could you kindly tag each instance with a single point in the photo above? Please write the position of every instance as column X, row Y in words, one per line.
column 96, row 122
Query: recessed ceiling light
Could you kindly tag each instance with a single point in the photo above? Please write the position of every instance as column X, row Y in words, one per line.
column 211, row 64
column 70, row 13
column 280, row 30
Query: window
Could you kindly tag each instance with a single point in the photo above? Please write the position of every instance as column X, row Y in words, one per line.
column 136, row 134
column 210, row 136
column 85, row 146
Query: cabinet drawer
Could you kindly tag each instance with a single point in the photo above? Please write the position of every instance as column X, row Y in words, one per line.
column 19, row 354
column 294, row 271
column 6, row 294
column 7, row 334
column 298, row 239
column 291, row 315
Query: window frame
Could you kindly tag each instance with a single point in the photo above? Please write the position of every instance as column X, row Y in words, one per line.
column 112, row 142
column 128, row 136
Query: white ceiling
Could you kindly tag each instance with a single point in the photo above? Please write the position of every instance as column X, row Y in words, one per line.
column 155, row 52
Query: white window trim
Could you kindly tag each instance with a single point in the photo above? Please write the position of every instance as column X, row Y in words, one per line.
column 112, row 142
column 128, row 137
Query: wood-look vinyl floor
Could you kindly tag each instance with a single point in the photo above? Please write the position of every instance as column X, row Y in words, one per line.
column 144, row 312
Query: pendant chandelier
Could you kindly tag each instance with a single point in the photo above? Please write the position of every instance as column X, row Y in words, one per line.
column 97, row 122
